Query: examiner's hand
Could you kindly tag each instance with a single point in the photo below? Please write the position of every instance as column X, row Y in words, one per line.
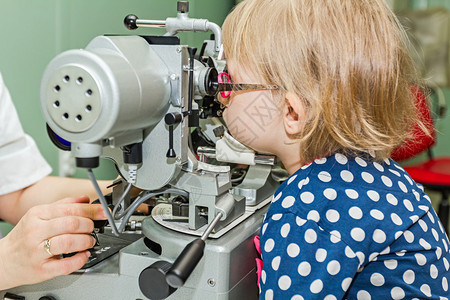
column 26, row 257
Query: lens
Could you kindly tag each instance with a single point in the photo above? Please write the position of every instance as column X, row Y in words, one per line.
column 225, row 78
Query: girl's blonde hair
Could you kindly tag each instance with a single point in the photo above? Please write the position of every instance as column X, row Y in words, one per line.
column 346, row 60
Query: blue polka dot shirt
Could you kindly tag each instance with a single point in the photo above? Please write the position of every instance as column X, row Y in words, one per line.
column 348, row 228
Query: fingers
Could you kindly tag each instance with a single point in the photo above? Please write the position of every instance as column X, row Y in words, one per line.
column 69, row 224
column 56, row 210
column 68, row 243
column 64, row 266
column 82, row 199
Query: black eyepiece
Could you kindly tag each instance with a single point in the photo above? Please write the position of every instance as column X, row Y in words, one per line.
column 211, row 82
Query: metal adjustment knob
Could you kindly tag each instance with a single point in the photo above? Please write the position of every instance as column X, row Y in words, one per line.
column 183, row 6
column 130, row 22
column 152, row 281
column 172, row 119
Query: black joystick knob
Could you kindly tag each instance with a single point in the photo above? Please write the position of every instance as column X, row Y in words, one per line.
column 190, row 256
column 130, row 22
column 152, row 281
column 185, row 263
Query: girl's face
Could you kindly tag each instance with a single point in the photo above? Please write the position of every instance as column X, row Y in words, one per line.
column 253, row 117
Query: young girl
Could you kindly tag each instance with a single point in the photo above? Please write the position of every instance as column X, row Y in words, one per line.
column 334, row 98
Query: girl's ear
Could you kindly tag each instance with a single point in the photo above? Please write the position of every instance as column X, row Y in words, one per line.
column 293, row 114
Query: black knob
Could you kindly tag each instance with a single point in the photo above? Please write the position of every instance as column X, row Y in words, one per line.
column 87, row 162
column 100, row 224
column 47, row 298
column 130, row 22
column 171, row 153
column 192, row 52
column 152, row 281
column 185, row 263
column 171, row 119
column 132, row 154
column 10, row 296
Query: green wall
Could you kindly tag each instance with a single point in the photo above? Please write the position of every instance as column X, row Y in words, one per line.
column 33, row 32
column 420, row 4
column 443, row 130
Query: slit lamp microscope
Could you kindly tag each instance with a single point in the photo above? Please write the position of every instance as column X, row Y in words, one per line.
column 148, row 104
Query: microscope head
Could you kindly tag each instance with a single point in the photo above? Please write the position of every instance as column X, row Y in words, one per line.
column 127, row 93
column 115, row 85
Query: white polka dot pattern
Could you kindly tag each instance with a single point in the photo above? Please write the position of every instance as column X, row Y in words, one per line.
column 409, row 276
column 333, row 267
column 276, row 263
column 343, row 224
column 341, row 158
column 293, row 250
column 307, row 197
column 397, row 293
column 316, row 286
column 285, row 230
column 347, row 176
column 332, row 215
column 304, row 269
column 324, row 176
column 288, row 202
column 330, row 194
column 284, row 282
column 367, row 177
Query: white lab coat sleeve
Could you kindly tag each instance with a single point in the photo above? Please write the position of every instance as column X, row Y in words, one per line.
column 21, row 163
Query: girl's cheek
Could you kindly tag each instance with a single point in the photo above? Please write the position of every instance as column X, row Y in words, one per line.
column 227, row 112
column 225, row 115
column 231, row 98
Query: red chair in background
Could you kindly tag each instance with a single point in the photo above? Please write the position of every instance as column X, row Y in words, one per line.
column 434, row 173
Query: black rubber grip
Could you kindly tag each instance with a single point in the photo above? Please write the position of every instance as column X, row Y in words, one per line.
column 185, row 263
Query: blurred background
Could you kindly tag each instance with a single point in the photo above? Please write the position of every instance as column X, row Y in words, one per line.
column 33, row 32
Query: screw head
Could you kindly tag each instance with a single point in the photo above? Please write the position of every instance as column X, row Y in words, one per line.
column 211, row 282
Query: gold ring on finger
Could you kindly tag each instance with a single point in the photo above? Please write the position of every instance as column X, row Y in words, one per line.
column 47, row 247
